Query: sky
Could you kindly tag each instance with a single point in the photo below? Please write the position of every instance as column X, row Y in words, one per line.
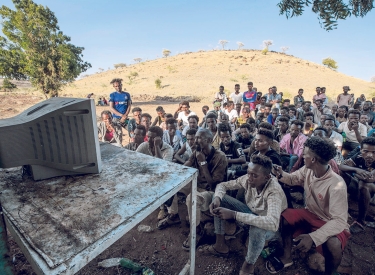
column 119, row 31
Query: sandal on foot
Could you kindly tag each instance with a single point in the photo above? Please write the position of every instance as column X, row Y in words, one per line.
column 274, row 265
column 356, row 227
column 210, row 250
column 186, row 243
column 166, row 222
column 245, row 273
column 162, row 214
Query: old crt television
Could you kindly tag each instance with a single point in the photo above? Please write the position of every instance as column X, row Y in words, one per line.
column 55, row 137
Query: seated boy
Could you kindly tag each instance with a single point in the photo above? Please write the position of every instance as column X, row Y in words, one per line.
column 362, row 166
column 323, row 222
column 265, row 200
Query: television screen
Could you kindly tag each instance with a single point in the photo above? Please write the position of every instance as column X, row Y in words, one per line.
column 55, row 137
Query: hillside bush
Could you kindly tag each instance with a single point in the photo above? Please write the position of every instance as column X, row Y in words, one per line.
column 330, row 63
column 138, row 59
column 8, row 86
column 158, row 83
column 373, row 79
column 119, row 65
column 166, row 52
column 266, row 44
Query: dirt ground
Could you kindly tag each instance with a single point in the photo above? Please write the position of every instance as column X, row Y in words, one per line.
column 161, row 250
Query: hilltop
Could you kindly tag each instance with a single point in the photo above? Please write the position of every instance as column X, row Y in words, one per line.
column 201, row 73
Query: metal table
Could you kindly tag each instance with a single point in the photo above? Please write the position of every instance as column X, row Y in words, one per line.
column 61, row 224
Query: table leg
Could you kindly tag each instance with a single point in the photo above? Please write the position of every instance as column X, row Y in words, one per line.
column 193, row 223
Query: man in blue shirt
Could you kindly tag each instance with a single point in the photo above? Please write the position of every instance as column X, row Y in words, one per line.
column 119, row 102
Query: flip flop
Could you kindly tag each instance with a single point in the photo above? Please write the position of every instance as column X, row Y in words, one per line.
column 210, row 250
column 275, row 271
column 166, row 222
column 186, row 243
column 356, row 228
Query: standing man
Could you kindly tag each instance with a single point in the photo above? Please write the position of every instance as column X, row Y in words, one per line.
column 298, row 99
column 119, row 102
column 274, row 98
column 221, row 96
column 237, row 95
column 318, row 95
column 250, row 96
column 324, row 97
column 344, row 98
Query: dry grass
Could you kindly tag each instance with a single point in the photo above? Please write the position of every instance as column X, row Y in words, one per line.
column 201, row 73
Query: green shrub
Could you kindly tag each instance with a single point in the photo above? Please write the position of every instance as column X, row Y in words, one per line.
column 158, row 83
column 330, row 63
column 265, row 51
column 7, row 85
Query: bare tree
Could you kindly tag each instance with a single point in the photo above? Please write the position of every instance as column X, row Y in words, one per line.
column 240, row 45
column 166, row 52
column 223, row 43
column 267, row 43
column 373, row 79
column 284, row 49
column 138, row 59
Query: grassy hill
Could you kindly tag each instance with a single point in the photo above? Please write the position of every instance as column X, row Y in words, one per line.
column 201, row 73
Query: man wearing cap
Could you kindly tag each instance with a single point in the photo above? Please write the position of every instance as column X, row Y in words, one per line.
column 344, row 98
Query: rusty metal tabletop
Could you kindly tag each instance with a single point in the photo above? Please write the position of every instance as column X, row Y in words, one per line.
column 62, row 223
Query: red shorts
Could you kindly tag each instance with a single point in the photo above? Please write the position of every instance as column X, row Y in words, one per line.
column 306, row 222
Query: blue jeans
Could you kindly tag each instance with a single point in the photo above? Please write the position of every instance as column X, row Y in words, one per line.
column 293, row 159
column 257, row 236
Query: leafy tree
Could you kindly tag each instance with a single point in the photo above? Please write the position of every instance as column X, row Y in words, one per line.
column 284, row 49
column 119, row 65
column 330, row 63
column 328, row 11
column 34, row 48
column 158, row 83
column 223, row 43
column 7, row 85
column 138, row 59
column 240, row 45
column 166, row 52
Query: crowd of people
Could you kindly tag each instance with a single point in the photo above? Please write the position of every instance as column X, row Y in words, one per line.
column 252, row 151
